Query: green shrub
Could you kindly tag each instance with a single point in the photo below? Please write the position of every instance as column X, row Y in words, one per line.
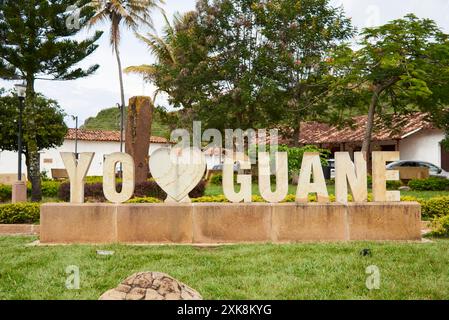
column 217, row 179
column 19, row 213
column 205, row 199
column 430, row 184
column 94, row 191
column 394, row 185
column 5, row 193
column 50, row 189
column 144, row 200
column 440, row 226
column 94, row 179
column 295, row 156
column 435, row 207
column 370, row 181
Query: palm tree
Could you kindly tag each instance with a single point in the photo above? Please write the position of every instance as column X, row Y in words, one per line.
column 129, row 13
column 160, row 47
column 164, row 51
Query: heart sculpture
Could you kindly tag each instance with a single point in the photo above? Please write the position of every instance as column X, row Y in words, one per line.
column 177, row 171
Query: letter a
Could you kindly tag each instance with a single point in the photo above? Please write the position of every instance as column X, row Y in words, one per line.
column 311, row 164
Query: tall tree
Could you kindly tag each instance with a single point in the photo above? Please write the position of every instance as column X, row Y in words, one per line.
column 401, row 67
column 128, row 13
column 47, row 134
column 247, row 63
column 300, row 36
column 169, row 53
column 37, row 44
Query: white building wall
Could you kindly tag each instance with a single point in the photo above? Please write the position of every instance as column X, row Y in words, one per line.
column 423, row 146
column 212, row 161
column 50, row 159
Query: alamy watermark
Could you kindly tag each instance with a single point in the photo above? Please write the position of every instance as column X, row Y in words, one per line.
column 72, row 281
column 373, row 280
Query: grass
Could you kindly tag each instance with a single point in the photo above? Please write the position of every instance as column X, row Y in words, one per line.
column 214, row 190
column 300, row 271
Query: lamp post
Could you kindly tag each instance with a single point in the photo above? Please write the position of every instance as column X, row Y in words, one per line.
column 122, row 124
column 21, row 94
column 122, row 129
column 75, row 118
column 19, row 193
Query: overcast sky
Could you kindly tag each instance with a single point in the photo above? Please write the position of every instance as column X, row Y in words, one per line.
column 85, row 97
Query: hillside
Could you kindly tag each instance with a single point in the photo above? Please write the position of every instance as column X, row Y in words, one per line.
column 109, row 119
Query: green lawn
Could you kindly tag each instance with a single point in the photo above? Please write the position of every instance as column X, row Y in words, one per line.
column 300, row 271
column 214, row 190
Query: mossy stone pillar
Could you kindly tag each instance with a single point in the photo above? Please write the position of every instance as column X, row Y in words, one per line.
column 138, row 134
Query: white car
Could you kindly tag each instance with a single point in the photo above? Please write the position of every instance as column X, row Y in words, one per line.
column 434, row 170
column 331, row 164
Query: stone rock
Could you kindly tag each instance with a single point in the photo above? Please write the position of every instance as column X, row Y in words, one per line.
column 405, row 188
column 151, row 286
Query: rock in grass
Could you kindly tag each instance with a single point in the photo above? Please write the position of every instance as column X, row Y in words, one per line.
column 151, row 286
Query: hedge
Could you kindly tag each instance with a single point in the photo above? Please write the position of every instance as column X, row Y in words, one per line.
column 440, row 226
column 217, row 179
column 430, row 184
column 144, row 200
column 5, row 193
column 150, row 188
column 435, row 207
column 20, row 213
column 49, row 190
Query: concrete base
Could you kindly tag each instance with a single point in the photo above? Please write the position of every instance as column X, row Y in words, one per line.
column 228, row 223
column 19, row 229
column 19, row 192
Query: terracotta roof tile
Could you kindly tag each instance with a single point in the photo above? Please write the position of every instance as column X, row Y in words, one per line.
column 320, row 133
column 103, row 135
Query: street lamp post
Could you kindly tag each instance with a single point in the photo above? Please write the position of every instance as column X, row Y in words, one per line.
column 122, row 125
column 21, row 93
column 122, row 130
column 19, row 193
column 76, row 135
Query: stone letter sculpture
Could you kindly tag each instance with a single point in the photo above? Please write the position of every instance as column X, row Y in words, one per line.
column 243, row 179
column 346, row 172
column 311, row 164
column 177, row 171
column 281, row 177
column 77, row 171
column 381, row 175
column 128, row 181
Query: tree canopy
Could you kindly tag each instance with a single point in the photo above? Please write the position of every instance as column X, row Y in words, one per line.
column 37, row 43
column 47, row 112
column 400, row 68
column 246, row 63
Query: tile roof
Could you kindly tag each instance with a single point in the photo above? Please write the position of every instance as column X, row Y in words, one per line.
column 104, row 135
column 320, row 133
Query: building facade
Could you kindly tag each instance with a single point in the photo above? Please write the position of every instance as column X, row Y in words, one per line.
column 413, row 136
column 98, row 141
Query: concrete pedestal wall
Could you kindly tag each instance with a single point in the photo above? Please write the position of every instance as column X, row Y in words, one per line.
column 228, row 223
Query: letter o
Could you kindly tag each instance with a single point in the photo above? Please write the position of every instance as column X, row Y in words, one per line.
column 128, row 183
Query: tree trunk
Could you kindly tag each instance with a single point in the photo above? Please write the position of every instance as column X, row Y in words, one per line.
column 297, row 135
column 32, row 147
column 366, row 147
column 35, row 177
column 122, row 95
